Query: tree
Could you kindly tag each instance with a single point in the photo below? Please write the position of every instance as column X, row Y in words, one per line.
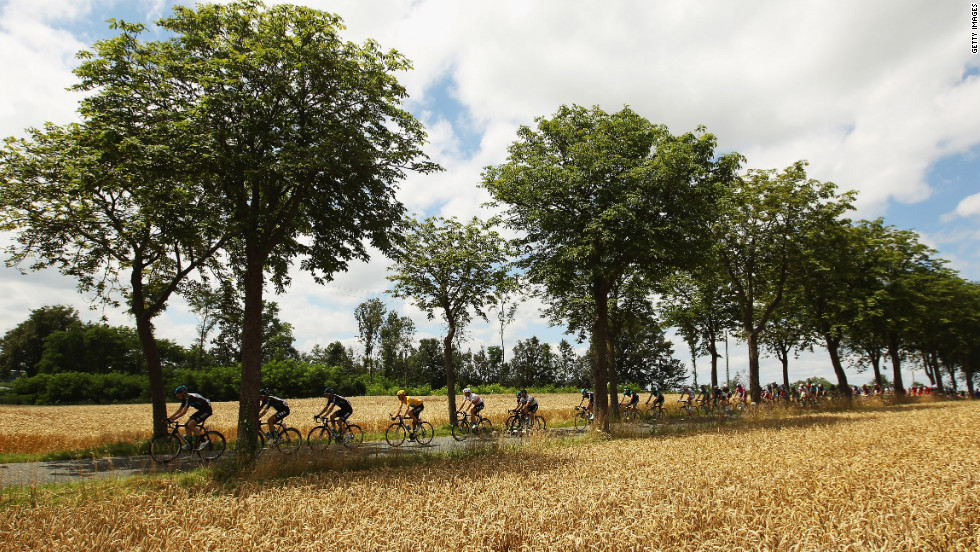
column 597, row 197
column 756, row 239
column 785, row 336
column 277, row 336
column 893, row 308
column 396, row 335
column 831, row 274
column 369, row 315
column 205, row 302
column 699, row 303
column 301, row 139
column 532, row 363
column 334, row 355
column 570, row 368
column 22, row 347
column 454, row 268
column 110, row 202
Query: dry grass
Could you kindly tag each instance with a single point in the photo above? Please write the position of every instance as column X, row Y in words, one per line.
column 40, row 429
column 896, row 479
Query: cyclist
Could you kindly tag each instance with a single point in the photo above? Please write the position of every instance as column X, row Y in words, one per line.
column 658, row 402
column 586, row 394
column 704, row 396
column 413, row 407
column 267, row 401
column 527, row 405
column 202, row 411
column 475, row 401
column 740, row 393
column 634, row 400
column 343, row 406
column 687, row 398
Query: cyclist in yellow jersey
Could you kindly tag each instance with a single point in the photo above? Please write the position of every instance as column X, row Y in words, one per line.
column 413, row 407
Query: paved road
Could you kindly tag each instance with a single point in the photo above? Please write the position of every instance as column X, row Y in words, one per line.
column 40, row 473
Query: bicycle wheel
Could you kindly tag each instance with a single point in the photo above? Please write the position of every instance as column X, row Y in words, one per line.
column 215, row 447
column 353, row 436
column 318, row 438
column 289, row 440
column 424, row 433
column 461, row 429
column 513, row 424
column 582, row 421
column 164, row 448
column 485, row 429
column 540, row 423
column 396, row 434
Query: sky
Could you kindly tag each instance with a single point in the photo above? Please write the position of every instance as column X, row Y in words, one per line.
column 875, row 95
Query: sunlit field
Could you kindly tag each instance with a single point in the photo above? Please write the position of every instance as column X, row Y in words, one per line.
column 902, row 478
column 39, row 429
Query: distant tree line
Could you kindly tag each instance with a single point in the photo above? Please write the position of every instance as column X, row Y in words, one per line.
column 54, row 358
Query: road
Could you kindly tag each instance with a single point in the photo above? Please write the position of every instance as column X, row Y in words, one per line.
column 61, row 471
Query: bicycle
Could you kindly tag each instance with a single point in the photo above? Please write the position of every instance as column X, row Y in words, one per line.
column 631, row 414
column 519, row 423
column 657, row 412
column 164, row 448
column 690, row 409
column 398, row 431
column 344, row 433
column 583, row 419
column 286, row 439
column 476, row 425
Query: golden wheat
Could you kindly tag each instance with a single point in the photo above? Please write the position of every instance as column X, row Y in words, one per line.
column 39, row 429
column 897, row 479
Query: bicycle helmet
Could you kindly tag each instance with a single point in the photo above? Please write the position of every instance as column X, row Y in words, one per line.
column 518, row 394
column 585, row 392
column 467, row 390
column 401, row 393
column 264, row 392
column 523, row 392
column 180, row 389
column 328, row 391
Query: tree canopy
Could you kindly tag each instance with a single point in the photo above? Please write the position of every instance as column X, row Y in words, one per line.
column 598, row 196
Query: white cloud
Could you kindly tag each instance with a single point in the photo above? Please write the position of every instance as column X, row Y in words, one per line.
column 871, row 93
column 969, row 207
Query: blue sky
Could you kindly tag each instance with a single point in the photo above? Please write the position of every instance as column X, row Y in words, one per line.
column 878, row 96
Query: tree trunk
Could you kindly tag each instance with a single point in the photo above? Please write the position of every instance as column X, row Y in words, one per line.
column 144, row 329
column 248, row 399
column 896, row 364
column 600, row 350
column 613, row 383
column 752, row 339
column 447, row 354
column 968, row 374
column 713, row 351
column 936, row 371
column 875, row 365
column 783, row 355
column 694, row 365
column 833, row 347
column 951, row 370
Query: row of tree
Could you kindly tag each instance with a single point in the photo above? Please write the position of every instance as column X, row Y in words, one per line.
column 54, row 341
column 255, row 137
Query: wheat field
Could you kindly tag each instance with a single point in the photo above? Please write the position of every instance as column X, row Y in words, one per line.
column 903, row 478
column 41, row 429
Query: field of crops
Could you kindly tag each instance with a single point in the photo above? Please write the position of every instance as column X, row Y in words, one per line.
column 39, row 429
column 902, row 478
